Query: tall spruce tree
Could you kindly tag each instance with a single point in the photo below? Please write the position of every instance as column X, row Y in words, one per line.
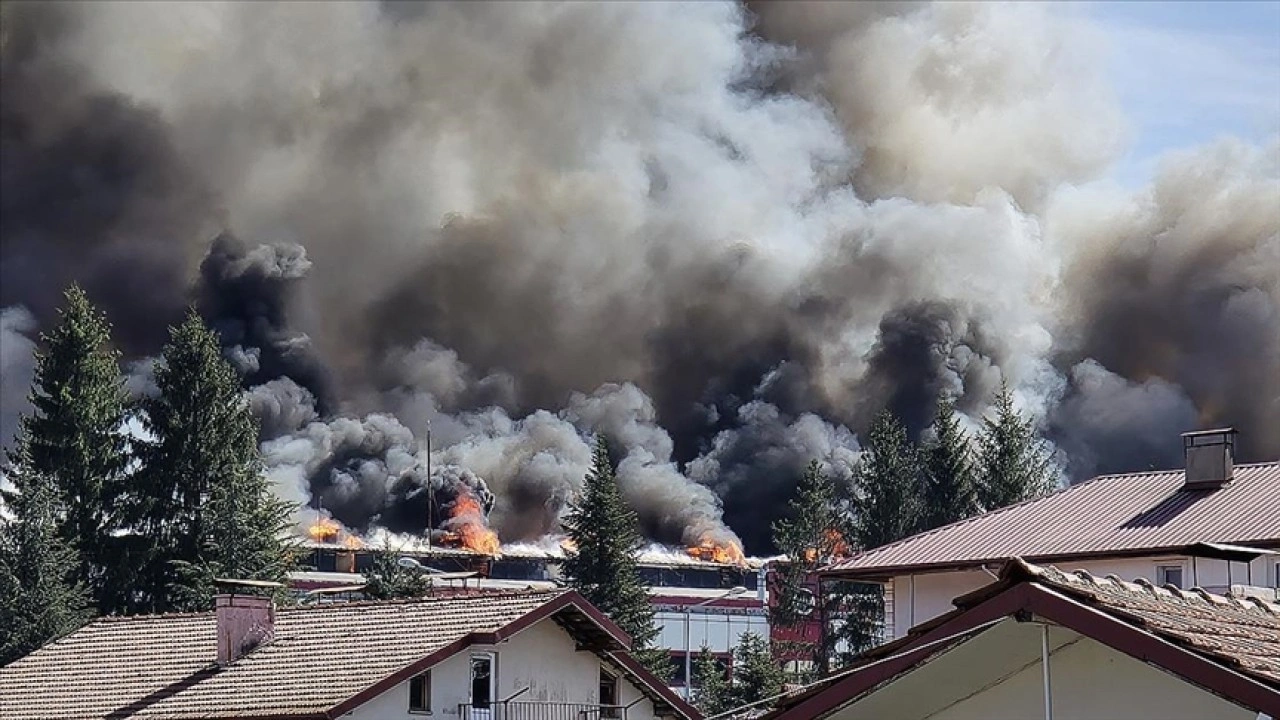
column 74, row 439
column 756, row 675
column 950, row 487
column 207, row 507
column 710, row 690
column 1013, row 462
column 814, row 533
column 43, row 600
column 606, row 534
column 886, row 485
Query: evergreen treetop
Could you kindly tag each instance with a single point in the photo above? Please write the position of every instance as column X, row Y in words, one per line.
column 710, row 690
column 950, row 485
column 73, row 438
column 38, row 570
column 206, row 508
column 387, row 579
column 813, row 534
column 1013, row 463
column 606, row 533
column 886, row 485
column 756, row 675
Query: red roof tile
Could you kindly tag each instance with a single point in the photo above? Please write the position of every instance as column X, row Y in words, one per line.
column 1108, row 515
column 163, row 666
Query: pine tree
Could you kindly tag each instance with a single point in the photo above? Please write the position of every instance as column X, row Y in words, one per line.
column 1013, row 462
column 756, row 675
column 606, row 533
column 710, row 691
column 387, row 579
column 813, row 534
column 950, row 491
column 886, row 485
column 74, row 438
column 207, row 507
column 42, row 598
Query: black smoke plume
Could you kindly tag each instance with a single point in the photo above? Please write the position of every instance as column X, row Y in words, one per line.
column 722, row 236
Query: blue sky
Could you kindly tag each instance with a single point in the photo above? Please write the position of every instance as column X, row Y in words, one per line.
column 1189, row 72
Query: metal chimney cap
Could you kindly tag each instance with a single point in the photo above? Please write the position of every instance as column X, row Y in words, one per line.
column 1224, row 431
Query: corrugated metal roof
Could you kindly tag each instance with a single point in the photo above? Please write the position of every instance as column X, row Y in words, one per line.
column 1108, row 515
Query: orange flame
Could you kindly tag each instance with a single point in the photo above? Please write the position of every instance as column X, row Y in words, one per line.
column 324, row 529
column 466, row 517
column 568, row 545
column 833, row 547
column 709, row 550
column 327, row 530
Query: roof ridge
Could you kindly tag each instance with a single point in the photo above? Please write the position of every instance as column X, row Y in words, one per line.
column 505, row 594
column 1084, row 581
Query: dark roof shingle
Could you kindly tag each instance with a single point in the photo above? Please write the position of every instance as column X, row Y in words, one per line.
column 1108, row 515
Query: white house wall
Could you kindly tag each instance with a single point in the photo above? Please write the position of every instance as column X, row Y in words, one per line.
column 1090, row 681
column 542, row 657
column 921, row 597
column 999, row 676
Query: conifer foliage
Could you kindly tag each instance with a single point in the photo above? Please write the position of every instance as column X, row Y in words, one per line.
column 1013, row 462
column 950, row 488
column 886, row 485
column 42, row 600
column 710, row 689
column 74, row 440
column 603, row 569
column 814, row 533
column 387, row 579
column 206, row 510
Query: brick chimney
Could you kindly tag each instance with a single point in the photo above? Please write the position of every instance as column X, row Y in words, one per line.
column 244, row 622
column 1210, row 458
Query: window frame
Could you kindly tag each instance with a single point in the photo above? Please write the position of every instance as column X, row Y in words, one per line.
column 425, row 679
column 1162, row 575
column 610, row 709
column 492, row 659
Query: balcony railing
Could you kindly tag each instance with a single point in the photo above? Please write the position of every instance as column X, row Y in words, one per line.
column 542, row 711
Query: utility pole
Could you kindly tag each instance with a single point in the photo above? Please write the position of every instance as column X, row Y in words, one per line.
column 431, row 493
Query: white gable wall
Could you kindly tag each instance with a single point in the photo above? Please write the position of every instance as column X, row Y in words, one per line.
column 999, row 676
column 1089, row 681
column 921, row 597
column 541, row 657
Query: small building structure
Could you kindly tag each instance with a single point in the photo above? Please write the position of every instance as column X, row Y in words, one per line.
column 1213, row 525
column 1042, row 643
column 499, row 656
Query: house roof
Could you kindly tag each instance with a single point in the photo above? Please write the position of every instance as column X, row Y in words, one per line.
column 323, row 660
column 1228, row 646
column 1108, row 516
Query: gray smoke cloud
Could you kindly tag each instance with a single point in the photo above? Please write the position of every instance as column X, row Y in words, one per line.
column 722, row 236
column 17, row 367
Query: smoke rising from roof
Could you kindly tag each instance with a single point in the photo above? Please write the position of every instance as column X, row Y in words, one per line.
column 722, row 236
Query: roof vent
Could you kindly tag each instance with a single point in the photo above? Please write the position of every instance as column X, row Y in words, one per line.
column 1210, row 458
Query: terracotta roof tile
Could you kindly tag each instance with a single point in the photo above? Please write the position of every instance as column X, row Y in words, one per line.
column 163, row 666
column 1112, row 514
column 1240, row 632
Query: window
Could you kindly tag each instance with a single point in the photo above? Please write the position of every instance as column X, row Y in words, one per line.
column 481, row 681
column 1276, row 584
column 608, row 695
column 420, row 693
column 1169, row 575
